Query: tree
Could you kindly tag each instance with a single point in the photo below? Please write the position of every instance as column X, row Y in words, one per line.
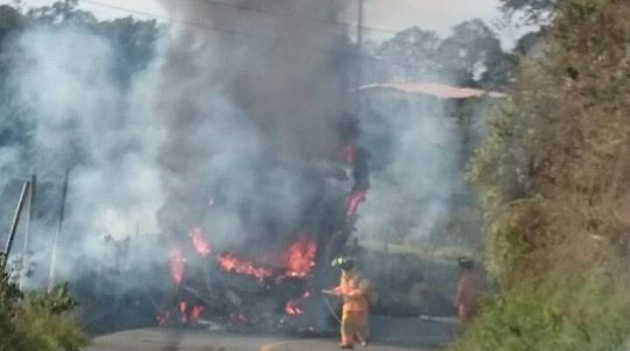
column 61, row 13
column 536, row 11
column 411, row 54
column 551, row 175
column 10, row 21
column 133, row 42
column 527, row 42
column 472, row 55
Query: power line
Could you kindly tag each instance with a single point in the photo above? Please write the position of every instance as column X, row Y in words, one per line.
column 225, row 31
column 205, row 26
column 292, row 16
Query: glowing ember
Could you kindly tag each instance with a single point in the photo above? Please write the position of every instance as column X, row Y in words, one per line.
column 187, row 314
column 301, row 257
column 230, row 263
column 195, row 313
column 162, row 319
column 182, row 311
column 176, row 264
column 292, row 308
column 353, row 201
column 202, row 247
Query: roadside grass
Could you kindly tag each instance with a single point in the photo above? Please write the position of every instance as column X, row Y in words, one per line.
column 586, row 312
column 38, row 321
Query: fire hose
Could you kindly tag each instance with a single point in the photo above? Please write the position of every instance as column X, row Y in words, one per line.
column 332, row 311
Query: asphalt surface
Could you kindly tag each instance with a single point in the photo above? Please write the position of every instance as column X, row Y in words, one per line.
column 388, row 334
column 162, row 339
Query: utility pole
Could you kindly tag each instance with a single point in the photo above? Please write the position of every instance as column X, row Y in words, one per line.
column 53, row 259
column 359, row 70
column 359, row 41
column 360, row 25
column 30, row 214
column 16, row 221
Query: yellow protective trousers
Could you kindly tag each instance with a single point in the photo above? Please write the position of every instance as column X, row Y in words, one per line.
column 354, row 324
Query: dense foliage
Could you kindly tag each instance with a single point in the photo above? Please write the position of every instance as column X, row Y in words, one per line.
column 45, row 321
column 37, row 321
column 470, row 56
column 552, row 176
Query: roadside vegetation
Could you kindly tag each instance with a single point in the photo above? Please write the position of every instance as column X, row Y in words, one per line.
column 552, row 176
column 41, row 321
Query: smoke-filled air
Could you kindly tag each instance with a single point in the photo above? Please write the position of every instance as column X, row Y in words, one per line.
column 234, row 140
column 276, row 174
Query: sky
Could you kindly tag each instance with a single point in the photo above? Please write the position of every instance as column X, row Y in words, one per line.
column 392, row 15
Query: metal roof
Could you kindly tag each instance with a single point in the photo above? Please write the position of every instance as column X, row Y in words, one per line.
column 438, row 90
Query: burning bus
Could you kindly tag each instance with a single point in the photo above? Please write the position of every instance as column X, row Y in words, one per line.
column 269, row 278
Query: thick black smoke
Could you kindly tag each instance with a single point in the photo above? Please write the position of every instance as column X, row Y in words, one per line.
column 252, row 104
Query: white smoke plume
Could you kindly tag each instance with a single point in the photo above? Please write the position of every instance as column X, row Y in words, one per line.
column 80, row 118
column 218, row 113
column 214, row 114
column 413, row 191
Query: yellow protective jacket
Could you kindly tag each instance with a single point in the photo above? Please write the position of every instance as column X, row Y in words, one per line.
column 355, row 291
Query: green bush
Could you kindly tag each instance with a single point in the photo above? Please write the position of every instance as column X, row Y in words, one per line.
column 552, row 178
column 581, row 313
column 39, row 321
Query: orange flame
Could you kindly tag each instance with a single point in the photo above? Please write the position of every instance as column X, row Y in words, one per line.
column 202, row 247
column 292, row 308
column 230, row 263
column 182, row 311
column 186, row 314
column 301, row 257
column 353, row 201
column 195, row 313
column 176, row 263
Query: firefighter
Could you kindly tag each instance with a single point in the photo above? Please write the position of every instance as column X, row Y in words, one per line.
column 356, row 293
column 468, row 291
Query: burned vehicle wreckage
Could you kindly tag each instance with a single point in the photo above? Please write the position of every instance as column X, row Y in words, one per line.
column 269, row 278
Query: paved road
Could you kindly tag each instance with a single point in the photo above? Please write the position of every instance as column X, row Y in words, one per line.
column 390, row 334
column 177, row 340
